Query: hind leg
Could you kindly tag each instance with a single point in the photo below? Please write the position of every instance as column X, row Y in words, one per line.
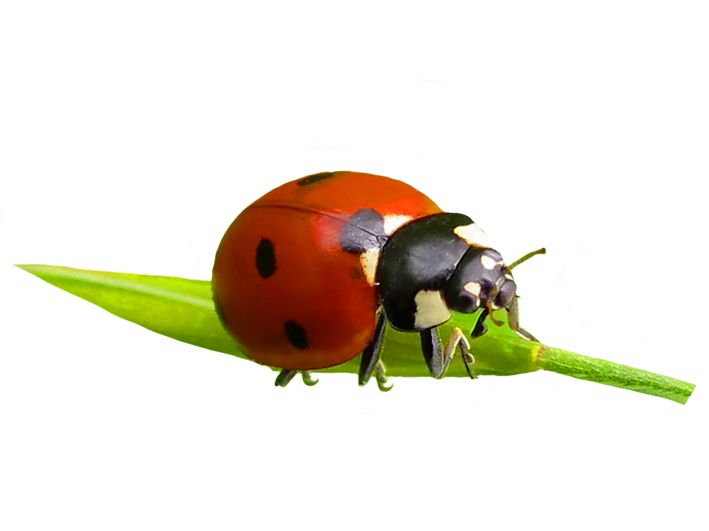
column 284, row 377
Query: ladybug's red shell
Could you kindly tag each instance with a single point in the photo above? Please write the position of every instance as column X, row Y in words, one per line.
column 283, row 285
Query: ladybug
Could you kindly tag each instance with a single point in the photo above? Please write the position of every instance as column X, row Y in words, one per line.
column 311, row 274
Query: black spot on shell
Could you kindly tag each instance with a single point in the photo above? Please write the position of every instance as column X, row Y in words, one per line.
column 365, row 230
column 314, row 178
column 296, row 335
column 265, row 258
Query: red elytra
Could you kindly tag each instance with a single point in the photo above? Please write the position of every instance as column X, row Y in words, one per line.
column 285, row 288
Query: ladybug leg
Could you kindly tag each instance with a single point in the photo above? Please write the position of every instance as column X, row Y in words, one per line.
column 469, row 360
column 480, row 328
column 513, row 313
column 436, row 358
column 284, row 377
column 439, row 358
column 308, row 379
column 370, row 357
column 380, row 373
column 458, row 339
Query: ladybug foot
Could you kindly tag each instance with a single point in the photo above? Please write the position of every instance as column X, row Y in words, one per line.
column 286, row 375
column 382, row 385
column 309, row 379
column 380, row 375
column 469, row 360
column 526, row 335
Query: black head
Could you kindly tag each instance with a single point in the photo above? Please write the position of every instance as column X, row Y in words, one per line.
column 480, row 280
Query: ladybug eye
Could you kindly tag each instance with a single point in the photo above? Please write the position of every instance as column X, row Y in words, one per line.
column 466, row 300
column 467, row 303
column 506, row 294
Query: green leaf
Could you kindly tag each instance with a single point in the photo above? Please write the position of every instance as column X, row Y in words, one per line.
column 182, row 304
column 175, row 307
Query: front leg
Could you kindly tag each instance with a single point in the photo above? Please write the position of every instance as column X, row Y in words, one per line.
column 513, row 313
column 480, row 328
column 439, row 358
column 458, row 339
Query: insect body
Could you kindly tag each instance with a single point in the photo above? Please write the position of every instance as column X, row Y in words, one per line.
column 310, row 274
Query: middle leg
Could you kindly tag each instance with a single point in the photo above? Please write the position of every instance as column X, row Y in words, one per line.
column 370, row 362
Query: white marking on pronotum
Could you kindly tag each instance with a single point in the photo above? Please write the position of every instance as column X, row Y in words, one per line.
column 369, row 260
column 431, row 309
column 394, row 221
column 473, row 235
column 488, row 263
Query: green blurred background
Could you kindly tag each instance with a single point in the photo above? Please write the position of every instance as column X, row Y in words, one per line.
column 594, row 188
